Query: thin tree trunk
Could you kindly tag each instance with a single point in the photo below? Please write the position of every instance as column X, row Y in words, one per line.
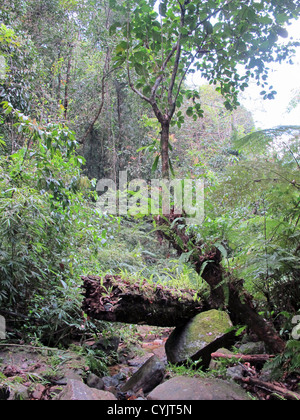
column 59, row 79
column 165, row 135
column 103, row 91
column 68, row 78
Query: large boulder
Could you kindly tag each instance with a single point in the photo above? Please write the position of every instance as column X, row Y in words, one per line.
column 201, row 336
column 78, row 391
column 185, row 388
column 147, row 377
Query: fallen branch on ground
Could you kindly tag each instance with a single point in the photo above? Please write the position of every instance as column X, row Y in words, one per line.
column 271, row 388
column 250, row 358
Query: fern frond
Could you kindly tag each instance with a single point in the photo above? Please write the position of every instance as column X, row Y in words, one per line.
column 259, row 140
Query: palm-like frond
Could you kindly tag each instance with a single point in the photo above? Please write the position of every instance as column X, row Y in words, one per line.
column 259, row 140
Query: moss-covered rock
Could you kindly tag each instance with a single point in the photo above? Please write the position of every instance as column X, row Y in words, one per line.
column 202, row 335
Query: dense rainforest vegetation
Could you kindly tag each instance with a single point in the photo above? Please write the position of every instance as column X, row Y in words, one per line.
column 91, row 88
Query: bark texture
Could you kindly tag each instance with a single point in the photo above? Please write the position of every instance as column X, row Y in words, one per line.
column 227, row 292
column 116, row 300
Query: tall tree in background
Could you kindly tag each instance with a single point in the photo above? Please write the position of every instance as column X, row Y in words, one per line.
column 228, row 41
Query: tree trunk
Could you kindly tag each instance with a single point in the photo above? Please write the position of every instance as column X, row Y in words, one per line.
column 68, row 79
column 59, row 77
column 165, row 135
column 116, row 300
column 226, row 291
column 103, row 92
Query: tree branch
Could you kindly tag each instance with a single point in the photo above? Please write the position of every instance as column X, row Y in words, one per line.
column 271, row 388
column 163, row 67
column 174, row 73
column 105, row 75
column 210, row 16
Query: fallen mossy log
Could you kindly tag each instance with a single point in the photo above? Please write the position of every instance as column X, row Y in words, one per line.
column 114, row 299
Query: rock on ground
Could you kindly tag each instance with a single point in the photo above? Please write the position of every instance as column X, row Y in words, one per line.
column 200, row 337
column 147, row 377
column 77, row 390
column 253, row 348
column 93, row 381
column 20, row 392
column 186, row 388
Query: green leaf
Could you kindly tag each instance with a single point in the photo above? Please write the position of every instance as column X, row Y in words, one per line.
column 185, row 256
column 250, row 14
column 163, row 8
column 218, row 26
column 240, row 330
column 146, row 90
column 282, row 32
column 190, row 111
column 222, row 249
column 228, row 106
column 204, row 265
column 140, row 70
column 121, row 47
column 171, row 167
column 114, row 26
column 208, row 27
column 281, row 18
column 154, row 166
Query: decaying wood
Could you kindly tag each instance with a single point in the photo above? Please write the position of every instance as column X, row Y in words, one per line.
column 113, row 299
column 226, row 291
column 273, row 389
column 250, row 358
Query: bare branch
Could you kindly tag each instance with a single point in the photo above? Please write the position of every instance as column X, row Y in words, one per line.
column 105, row 75
column 163, row 67
column 174, row 73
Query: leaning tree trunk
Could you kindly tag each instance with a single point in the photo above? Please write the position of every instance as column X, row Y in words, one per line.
column 115, row 300
column 226, row 291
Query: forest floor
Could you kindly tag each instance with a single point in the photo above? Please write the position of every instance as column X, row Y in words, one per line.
column 40, row 373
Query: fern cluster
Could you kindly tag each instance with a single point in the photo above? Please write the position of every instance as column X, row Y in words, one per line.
column 287, row 362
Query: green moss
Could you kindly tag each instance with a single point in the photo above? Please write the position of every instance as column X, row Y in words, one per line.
column 208, row 326
column 202, row 330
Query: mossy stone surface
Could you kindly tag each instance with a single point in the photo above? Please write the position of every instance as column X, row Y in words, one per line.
column 201, row 336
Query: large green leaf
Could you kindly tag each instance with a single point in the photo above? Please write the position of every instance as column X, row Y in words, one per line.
column 263, row 138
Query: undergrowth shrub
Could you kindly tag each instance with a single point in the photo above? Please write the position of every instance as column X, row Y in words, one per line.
column 50, row 231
